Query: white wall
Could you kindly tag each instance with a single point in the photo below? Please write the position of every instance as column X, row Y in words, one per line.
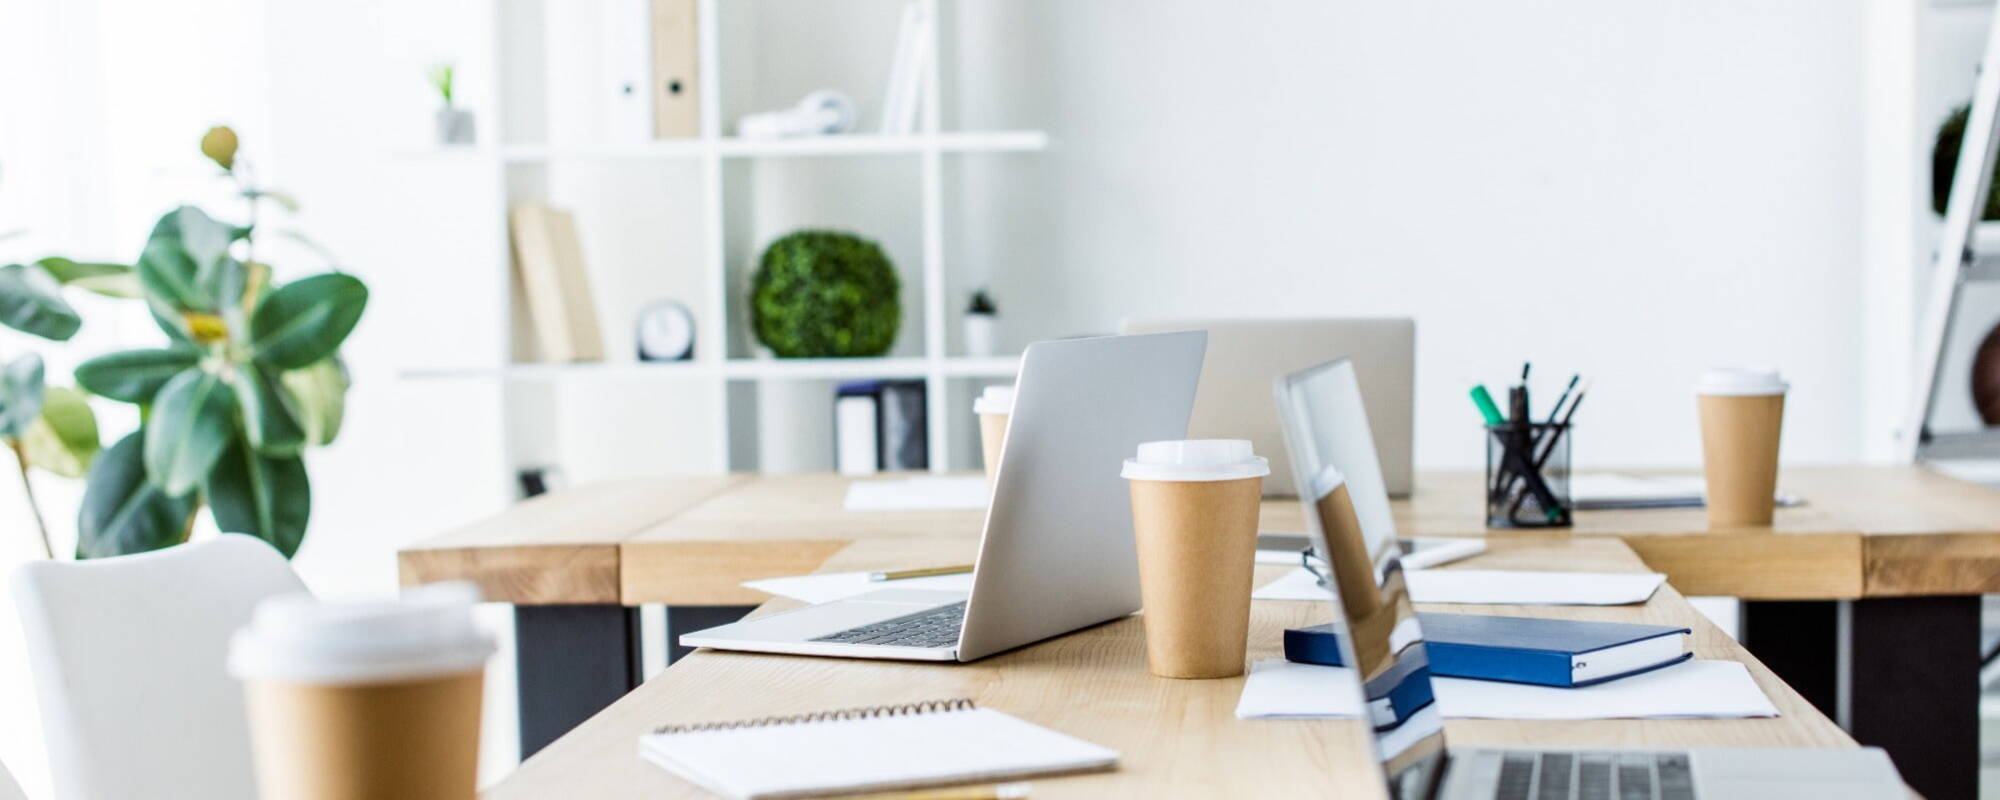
column 1627, row 190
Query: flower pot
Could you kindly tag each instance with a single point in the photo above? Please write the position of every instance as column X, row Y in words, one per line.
column 454, row 126
column 979, row 333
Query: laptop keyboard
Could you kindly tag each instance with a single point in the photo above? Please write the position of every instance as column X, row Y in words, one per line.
column 1595, row 776
column 937, row 627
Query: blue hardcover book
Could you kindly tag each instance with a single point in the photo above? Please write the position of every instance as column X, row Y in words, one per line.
column 1549, row 652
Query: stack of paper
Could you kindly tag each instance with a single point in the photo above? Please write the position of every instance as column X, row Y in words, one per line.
column 925, row 493
column 1723, row 689
column 1488, row 586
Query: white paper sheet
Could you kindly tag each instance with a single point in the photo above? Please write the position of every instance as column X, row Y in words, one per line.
column 831, row 586
column 923, row 493
column 1711, row 689
column 1488, row 586
column 1278, row 557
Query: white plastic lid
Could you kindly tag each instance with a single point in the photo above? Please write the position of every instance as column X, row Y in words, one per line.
column 995, row 400
column 1741, row 381
column 297, row 638
column 1196, row 460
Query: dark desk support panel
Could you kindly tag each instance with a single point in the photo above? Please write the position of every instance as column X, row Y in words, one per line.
column 688, row 619
column 571, row 662
column 1914, row 677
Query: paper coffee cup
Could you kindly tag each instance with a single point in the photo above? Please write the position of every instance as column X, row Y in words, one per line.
column 356, row 700
column 1742, row 412
column 1194, row 516
column 994, row 406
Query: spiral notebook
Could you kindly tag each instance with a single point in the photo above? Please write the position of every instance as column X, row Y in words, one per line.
column 867, row 749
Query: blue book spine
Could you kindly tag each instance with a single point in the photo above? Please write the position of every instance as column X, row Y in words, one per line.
column 1318, row 645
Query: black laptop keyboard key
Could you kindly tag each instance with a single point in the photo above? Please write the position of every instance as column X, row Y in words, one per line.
column 1555, row 775
column 937, row 627
column 1676, row 777
column 1593, row 778
column 1517, row 775
column 1635, row 780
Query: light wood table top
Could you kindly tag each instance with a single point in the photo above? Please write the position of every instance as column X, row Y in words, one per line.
column 1178, row 738
column 1873, row 531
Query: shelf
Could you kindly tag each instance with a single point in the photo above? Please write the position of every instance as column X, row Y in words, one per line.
column 739, row 369
column 858, row 144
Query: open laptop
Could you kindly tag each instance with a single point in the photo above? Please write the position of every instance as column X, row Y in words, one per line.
column 1057, row 553
column 1379, row 632
column 1244, row 355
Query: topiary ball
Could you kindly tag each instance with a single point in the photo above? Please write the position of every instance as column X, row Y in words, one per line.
column 1944, row 164
column 820, row 294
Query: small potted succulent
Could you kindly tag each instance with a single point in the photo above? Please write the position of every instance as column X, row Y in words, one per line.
column 454, row 124
column 981, row 317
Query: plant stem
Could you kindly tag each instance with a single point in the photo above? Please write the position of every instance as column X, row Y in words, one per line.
column 28, row 488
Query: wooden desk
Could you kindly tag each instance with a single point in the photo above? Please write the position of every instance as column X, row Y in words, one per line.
column 1178, row 738
column 1891, row 558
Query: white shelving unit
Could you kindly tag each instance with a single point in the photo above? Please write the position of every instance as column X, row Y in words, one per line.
column 714, row 367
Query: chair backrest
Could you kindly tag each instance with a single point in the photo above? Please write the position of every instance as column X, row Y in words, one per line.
column 128, row 658
column 9, row 790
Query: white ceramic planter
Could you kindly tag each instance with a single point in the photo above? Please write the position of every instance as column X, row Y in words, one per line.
column 980, row 333
column 454, row 126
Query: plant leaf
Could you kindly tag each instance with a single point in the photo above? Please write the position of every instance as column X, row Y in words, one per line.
column 122, row 512
column 31, row 302
column 284, row 199
column 20, row 394
column 134, row 376
column 193, row 420
column 269, row 497
column 319, row 395
column 167, row 274
column 306, row 320
column 182, row 263
column 123, row 287
column 67, row 271
column 63, row 439
column 268, row 419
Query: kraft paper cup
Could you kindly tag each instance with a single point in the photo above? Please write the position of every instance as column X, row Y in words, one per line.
column 994, row 406
column 1194, row 516
column 376, row 700
column 1742, row 414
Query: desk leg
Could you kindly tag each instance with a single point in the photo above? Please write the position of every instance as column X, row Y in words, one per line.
column 571, row 661
column 688, row 619
column 1911, row 682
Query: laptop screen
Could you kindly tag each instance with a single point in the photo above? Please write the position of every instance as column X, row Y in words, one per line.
column 1325, row 432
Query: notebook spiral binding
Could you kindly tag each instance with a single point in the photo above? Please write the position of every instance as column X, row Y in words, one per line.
column 865, row 712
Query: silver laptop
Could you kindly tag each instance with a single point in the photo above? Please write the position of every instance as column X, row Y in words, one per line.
column 1245, row 355
column 1057, row 552
column 1379, row 631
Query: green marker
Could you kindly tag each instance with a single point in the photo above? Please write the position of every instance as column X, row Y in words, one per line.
column 1487, row 409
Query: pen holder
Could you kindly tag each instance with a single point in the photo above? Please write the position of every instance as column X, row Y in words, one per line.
column 1527, row 476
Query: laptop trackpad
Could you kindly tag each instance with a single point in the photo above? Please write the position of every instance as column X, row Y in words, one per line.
column 1828, row 774
column 836, row 616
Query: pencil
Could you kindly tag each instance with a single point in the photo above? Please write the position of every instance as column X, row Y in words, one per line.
column 921, row 572
column 1003, row 791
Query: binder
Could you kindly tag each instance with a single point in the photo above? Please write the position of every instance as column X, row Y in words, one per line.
column 873, row 749
column 676, row 70
column 555, row 283
column 880, row 425
column 1547, row 652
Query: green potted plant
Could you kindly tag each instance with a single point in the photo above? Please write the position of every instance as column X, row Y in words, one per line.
column 454, row 124
column 825, row 294
column 248, row 377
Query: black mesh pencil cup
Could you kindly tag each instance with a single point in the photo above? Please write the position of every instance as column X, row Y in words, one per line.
column 1527, row 476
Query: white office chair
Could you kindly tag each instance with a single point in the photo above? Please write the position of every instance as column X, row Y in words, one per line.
column 9, row 790
column 128, row 657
